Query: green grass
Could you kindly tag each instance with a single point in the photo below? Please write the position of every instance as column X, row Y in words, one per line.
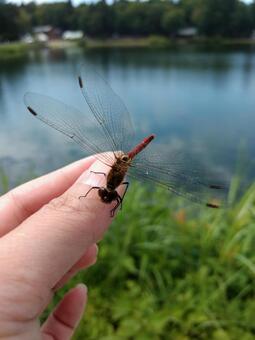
column 12, row 51
column 157, row 41
column 131, row 42
column 168, row 269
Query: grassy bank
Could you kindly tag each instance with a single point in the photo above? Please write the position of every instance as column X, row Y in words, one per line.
column 62, row 44
column 12, row 51
column 164, row 42
column 152, row 41
column 168, row 269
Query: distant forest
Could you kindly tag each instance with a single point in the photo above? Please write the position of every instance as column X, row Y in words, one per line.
column 212, row 18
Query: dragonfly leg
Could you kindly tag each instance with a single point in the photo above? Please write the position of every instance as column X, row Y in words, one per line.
column 92, row 188
column 119, row 201
column 125, row 191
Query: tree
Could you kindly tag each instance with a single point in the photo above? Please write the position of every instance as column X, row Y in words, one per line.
column 241, row 21
column 24, row 21
column 97, row 19
column 227, row 18
column 173, row 20
column 9, row 25
column 188, row 7
column 57, row 14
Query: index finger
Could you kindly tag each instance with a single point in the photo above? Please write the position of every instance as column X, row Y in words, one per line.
column 47, row 244
column 21, row 202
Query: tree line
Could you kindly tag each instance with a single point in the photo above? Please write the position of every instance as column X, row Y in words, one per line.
column 212, row 18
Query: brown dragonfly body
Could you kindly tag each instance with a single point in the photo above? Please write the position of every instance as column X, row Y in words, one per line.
column 116, row 175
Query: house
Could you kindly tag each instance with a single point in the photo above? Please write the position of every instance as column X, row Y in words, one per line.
column 72, row 35
column 47, row 32
column 27, row 38
column 187, row 32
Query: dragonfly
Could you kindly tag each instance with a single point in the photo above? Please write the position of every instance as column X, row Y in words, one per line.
column 108, row 127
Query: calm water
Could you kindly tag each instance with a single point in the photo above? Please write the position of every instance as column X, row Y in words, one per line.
column 200, row 103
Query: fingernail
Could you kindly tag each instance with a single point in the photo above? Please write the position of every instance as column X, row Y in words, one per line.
column 96, row 175
column 83, row 287
column 95, row 250
column 92, row 179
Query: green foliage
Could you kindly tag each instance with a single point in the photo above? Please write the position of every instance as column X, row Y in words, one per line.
column 12, row 51
column 96, row 19
column 229, row 18
column 156, row 41
column 153, row 41
column 169, row 269
column 59, row 14
column 9, row 22
column 173, row 20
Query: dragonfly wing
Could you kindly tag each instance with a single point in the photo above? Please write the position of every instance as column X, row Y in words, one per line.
column 70, row 121
column 107, row 108
column 179, row 175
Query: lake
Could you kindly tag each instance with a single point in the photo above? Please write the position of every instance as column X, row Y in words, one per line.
column 200, row 103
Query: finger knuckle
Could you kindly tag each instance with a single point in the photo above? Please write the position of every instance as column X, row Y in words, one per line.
column 21, row 285
column 66, row 203
column 73, row 210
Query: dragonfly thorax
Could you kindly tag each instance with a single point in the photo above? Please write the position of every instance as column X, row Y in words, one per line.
column 118, row 171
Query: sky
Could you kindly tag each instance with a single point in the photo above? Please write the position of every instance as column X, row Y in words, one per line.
column 75, row 2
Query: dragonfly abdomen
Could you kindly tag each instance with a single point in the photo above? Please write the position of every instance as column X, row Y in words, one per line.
column 138, row 148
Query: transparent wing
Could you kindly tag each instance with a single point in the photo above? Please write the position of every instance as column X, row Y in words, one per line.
column 179, row 175
column 107, row 108
column 73, row 123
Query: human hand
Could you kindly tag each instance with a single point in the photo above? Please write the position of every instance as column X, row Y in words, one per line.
column 47, row 235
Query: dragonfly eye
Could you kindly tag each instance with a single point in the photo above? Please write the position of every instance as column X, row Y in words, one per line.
column 125, row 158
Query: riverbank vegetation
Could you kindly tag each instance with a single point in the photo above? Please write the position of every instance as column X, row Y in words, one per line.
column 157, row 41
column 210, row 18
column 9, row 51
column 153, row 41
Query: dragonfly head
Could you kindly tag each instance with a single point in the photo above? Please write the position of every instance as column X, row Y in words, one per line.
column 125, row 159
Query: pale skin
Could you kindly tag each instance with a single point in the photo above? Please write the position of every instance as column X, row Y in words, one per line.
column 47, row 235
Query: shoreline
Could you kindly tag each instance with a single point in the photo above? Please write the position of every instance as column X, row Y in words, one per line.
column 155, row 41
column 18, row 50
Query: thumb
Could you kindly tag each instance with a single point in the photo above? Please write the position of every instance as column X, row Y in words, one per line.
column 48, row 243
